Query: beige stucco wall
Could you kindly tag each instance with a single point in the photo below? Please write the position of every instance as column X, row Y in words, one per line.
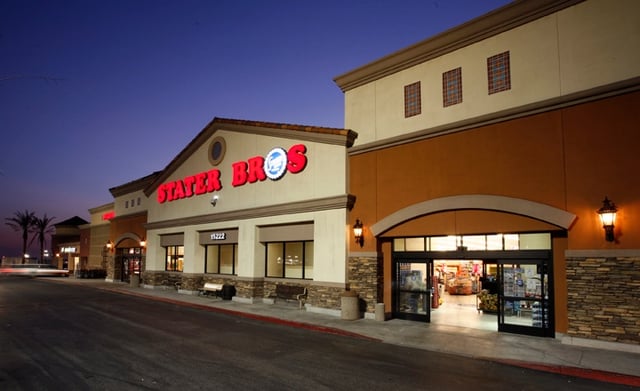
column 329, row 245
column 591, row 44
column 127, row 204
column 324, row 176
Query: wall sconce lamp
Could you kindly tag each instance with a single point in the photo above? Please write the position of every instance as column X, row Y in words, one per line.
column 109, row 246
column 357, row 232
column 214, row 200
column 143, row 243
column 608, row 217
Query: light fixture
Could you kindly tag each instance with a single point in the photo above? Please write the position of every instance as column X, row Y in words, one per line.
column 214, row 200
column 357, row 232
column 608, row 217
column 109, row 245
column 143, row 243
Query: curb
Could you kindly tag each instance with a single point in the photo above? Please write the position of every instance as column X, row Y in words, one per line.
column 584, row 373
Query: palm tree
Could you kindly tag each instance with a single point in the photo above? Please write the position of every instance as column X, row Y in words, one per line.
column 22, row 221
column 40, row 228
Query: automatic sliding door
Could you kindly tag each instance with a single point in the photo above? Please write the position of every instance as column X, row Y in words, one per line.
column 412, row 293
column 524, row 305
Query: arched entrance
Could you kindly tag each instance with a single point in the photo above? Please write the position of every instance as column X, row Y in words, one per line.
column 492, row 255
column 508, row 291
column 129, row 257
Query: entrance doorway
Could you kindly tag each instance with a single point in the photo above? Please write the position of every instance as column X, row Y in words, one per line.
column 499, row 290
column 464, row 288
column 130, row 262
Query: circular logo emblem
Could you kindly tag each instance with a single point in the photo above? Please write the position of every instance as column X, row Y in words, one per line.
column 275, row 163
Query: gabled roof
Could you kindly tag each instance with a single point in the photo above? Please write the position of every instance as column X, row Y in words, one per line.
column 135, row 185
column 319, row 134
column 74, row 222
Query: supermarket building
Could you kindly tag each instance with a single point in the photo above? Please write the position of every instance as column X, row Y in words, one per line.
column 476, row 162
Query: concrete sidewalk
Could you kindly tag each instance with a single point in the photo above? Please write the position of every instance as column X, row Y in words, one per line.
column 545, row 354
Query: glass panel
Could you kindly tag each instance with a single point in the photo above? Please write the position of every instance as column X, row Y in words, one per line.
column 494, row 242
column 444, row 243
column 235, row 258
column 535, row 242
column 398, row 244
column 275, row 265
column 525, row 296
column 226, row 259
column 511, row 242
column 413, row 296
column 180, row 258
column 293, row 260
column 174, row 260
column 414, row 303
column 308, row 260
column 212, row 259
column 415, row 244
column 475, row 242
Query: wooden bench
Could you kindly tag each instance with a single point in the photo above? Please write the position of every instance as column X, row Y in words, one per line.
column 210, row 287
column 290, row 292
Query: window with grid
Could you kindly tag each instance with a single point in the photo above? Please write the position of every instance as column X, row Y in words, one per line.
column 290, row 259
column 452, row 87
column 412, row 104
column 221, row 258
column 174, row 258
column 499, row 73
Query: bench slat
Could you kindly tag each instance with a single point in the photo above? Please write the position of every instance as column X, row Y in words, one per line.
column 290, row 292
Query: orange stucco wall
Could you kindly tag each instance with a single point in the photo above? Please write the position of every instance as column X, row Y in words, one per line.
column 568, row 158
column 126, row 226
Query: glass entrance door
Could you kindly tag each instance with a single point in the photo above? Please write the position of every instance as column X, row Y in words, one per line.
column 413, row 287
column 523, row 303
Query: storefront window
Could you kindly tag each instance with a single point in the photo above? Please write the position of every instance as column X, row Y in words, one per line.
column 525, row 295
column 221, row 258
column 174, row 258
column 290, row 260
column 494, row 242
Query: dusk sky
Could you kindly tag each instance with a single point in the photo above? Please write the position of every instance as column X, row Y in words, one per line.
column 95, row 94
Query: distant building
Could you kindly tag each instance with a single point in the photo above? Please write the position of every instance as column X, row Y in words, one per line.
column 65, row 244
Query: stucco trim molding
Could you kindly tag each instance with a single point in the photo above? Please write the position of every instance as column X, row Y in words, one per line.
column 518, row 206
column 315, row 205
column 603, row 253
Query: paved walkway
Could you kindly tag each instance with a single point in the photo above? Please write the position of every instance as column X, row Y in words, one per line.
column 547, row 354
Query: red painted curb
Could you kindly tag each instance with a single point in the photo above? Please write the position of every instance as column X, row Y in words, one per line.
column 585, row 373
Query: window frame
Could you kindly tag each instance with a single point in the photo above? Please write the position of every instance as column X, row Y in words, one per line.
column 234, row 263
column 452, row 87
column 306, row 263
column 499, row 72
column 178, row 258
column 412, row 99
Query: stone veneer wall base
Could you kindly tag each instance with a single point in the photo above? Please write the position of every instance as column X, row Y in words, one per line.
column 604, row 299
column 365, row 277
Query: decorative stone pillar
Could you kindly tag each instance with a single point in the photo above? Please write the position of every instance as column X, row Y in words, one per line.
column 364, row 275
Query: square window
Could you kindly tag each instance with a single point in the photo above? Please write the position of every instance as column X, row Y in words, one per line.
column 290, row 260
column 499, row 73
column 412, row 104
column 452, row 87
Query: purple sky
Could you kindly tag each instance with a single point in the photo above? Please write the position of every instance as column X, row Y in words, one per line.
column 94, row 94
